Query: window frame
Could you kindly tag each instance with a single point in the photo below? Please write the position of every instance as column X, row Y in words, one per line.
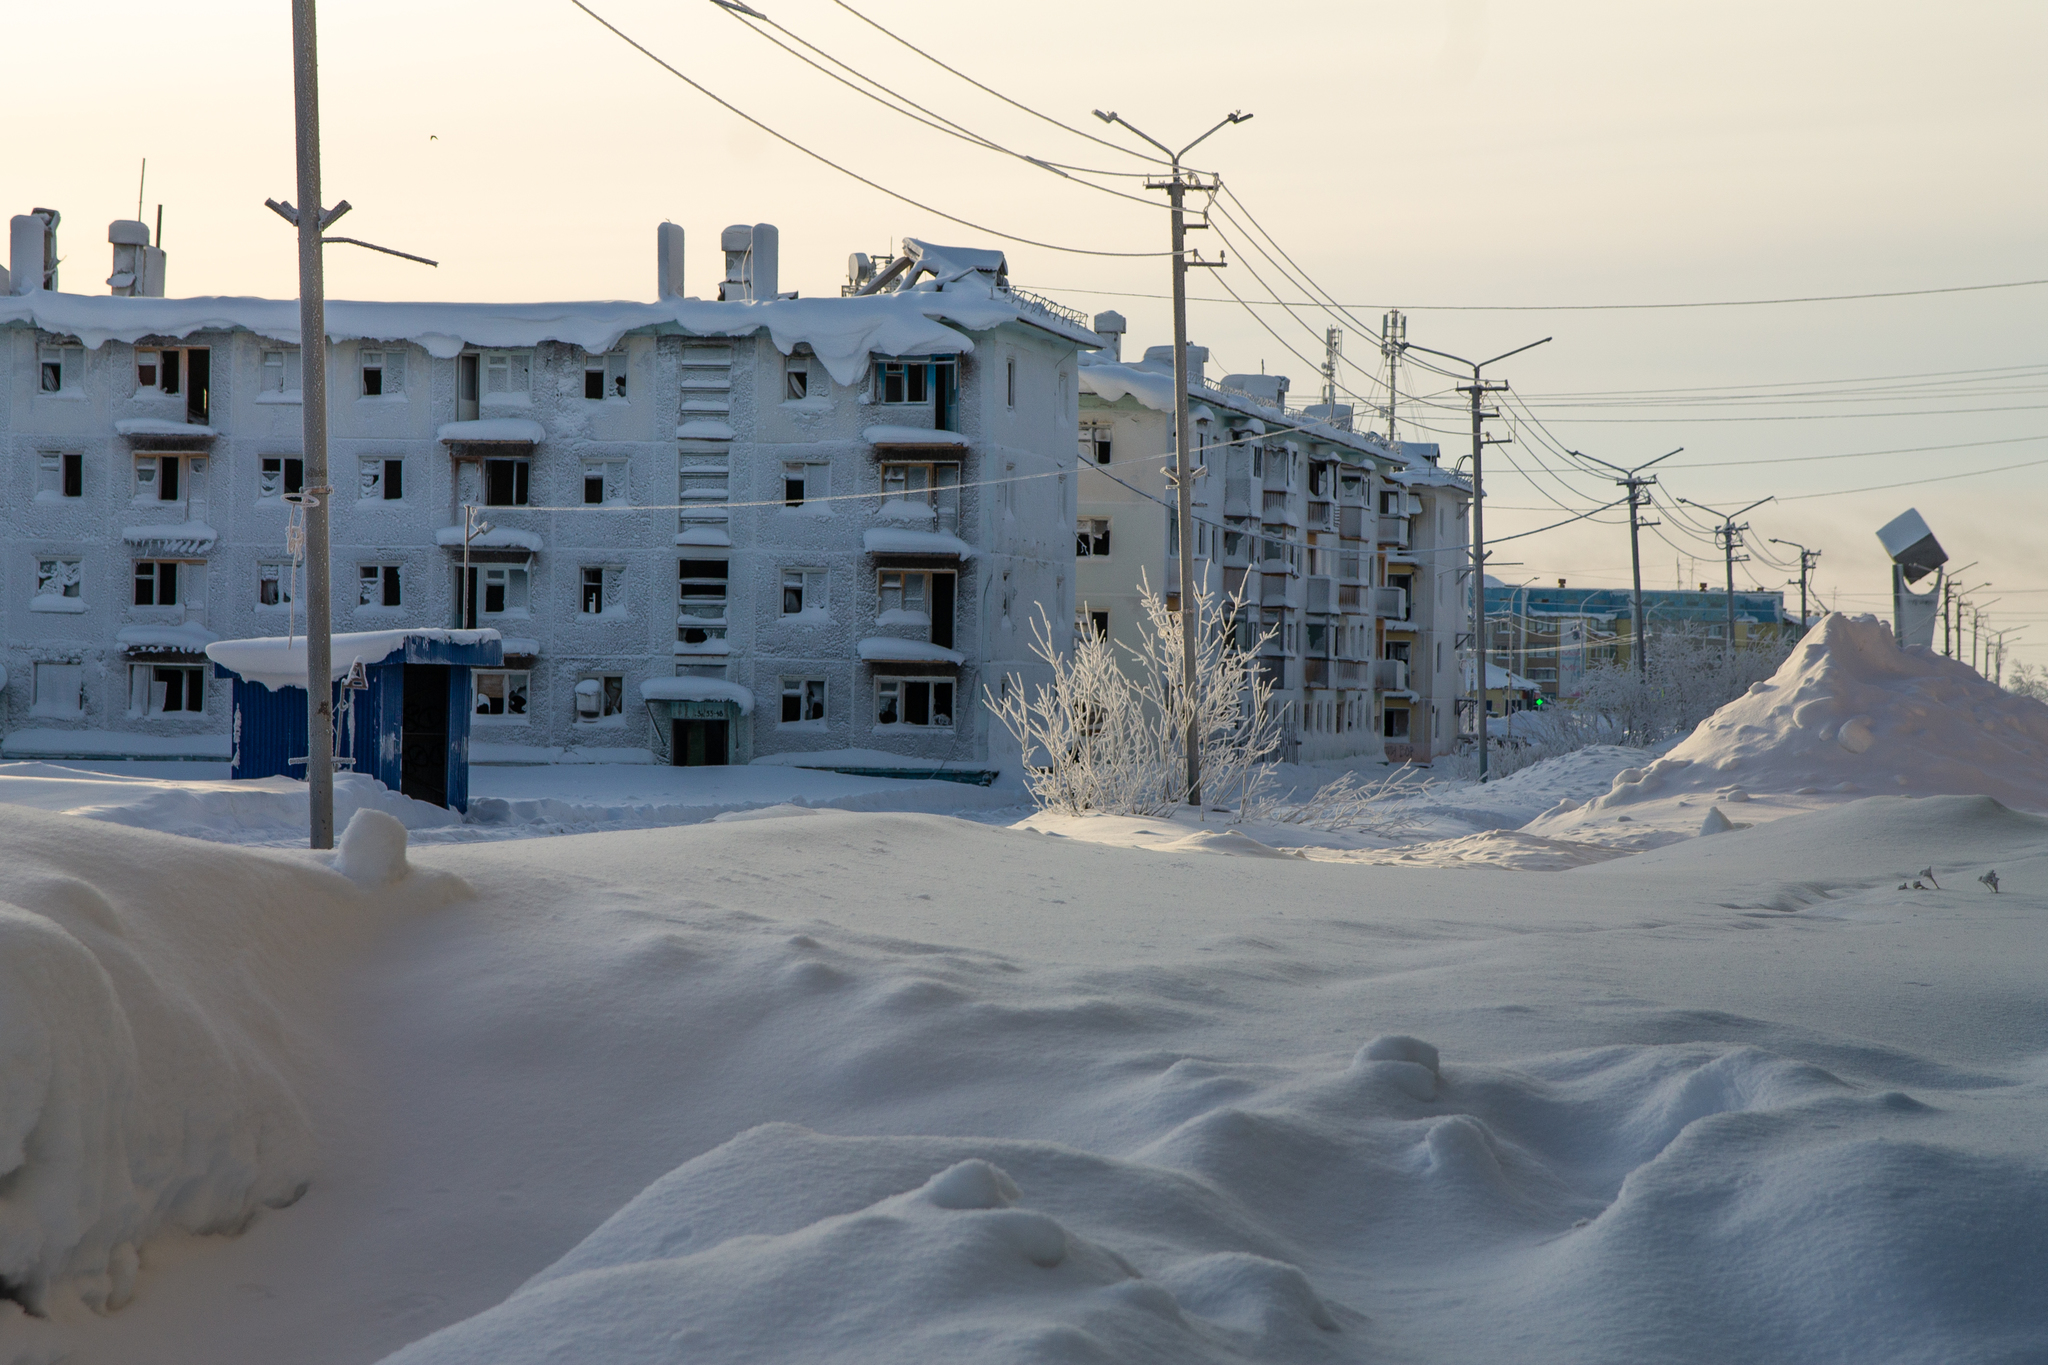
column 387, row 364
column 799, row 696
column 388, row 579
column 611, row 699
column 44, row 677
column 145, row 678
column 51, row 572
column 68, row 361
column 280, row 572
column 813, row 592
column 514, row 367
column 609, row 369
column 900, row 687
column 1091, row 537
column 266, row 491
column 506, row 581
column 505, row 714
column 519, row 473
column 162, row 578
column 287, row 373
column 60, row 475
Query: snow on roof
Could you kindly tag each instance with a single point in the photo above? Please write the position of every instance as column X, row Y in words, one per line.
column 502, row 429
column 279, row 661
column 1497, row 676
column 892, row 540
column 697, row 689
column 703, row 430
column 885, row 435
column 188, row 637
column 521, row 644
column 887, row 649
column 945, row 264
column 158, row 426
column 842, row 332
column 497, row 538
column 1112, row 381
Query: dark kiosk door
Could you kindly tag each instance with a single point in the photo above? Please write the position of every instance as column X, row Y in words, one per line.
column 423, row 756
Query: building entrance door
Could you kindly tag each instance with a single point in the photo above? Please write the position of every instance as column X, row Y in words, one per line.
column 697, row 743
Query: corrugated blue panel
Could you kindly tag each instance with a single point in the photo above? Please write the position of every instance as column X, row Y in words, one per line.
column 268, row 728
column 458, row 732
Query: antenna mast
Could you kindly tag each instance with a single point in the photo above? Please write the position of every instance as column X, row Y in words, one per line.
column 1393, row 336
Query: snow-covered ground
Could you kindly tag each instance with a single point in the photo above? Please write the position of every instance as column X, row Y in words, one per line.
column 793, row 1083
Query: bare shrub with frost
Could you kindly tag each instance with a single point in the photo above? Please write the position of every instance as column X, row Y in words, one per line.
column 2026, row 681
column 1108, row 735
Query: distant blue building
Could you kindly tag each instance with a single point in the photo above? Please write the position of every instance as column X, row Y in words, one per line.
column 1550, row 635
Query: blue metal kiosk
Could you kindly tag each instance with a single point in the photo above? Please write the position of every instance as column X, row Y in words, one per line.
column 401, row 707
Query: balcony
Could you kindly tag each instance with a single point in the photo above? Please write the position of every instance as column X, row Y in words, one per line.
column 1277, row 590
column 1390, row 675
column 1351, row 523
column 1320, row 594
column 1320, row 517
column 1390, row 603
column 1393, row 531
column 1315, row 672
column 1350, row 597
column 1352, row 673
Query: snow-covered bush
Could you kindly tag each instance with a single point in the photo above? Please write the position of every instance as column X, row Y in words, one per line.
column 2025, row 681
column 1108, row 736
column 1384, row 806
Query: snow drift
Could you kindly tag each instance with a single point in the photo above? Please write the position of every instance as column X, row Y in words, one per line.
column 1850, row 712
column 155, row 1036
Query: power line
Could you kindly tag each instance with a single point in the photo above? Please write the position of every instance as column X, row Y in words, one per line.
column 1909, row 483
column 1610, row 307
column 1816, row 416
column 1077, row 132
column 734, row 109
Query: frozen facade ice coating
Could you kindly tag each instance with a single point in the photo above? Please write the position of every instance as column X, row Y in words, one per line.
column 746, row 493
column 1345, row 547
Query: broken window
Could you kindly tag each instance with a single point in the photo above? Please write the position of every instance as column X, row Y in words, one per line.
column 803, row 699
column 504, row 590
column 1397, row 721
column 919, row 597
column 280, row 372
column 936, row 484
column 502, row 695
column 277, row 475
column 604, row 481
column 61, row 369
column 914, row 701
column 59, row 474
column 1091, row 539
column 796, row 373
column 898, row 381
column 378, row 586
column 383, row 372
column 160, row 690
column 505, row 481
column 600, row 589
column 274, row 585
column 1094, row 623
column 381, row 479
column 600, row 697
column 803, row 592
column 58, row 584
column 604, row 376
column 156, row 582
column 175, row 369
column 1095, row 443
column 701, row 586
column 59, row 689
column 158, row 475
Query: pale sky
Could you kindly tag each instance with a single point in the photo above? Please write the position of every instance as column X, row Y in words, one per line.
column 1416, row 155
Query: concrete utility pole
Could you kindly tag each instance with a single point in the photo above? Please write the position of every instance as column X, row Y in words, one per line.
column 312, row 221
column 1477, row 391
column 1807, row 560
column 1638, row 497
column 1951, row 609
column 1176, row 186
column 1730, row 536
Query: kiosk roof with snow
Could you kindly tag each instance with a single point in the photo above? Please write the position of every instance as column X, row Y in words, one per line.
column 401, row 706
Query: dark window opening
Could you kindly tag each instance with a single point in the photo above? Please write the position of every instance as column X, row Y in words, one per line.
column 593, row 383
column 167, row 478
column 373, row 381
column 505, row 482
column 593, row 590
column 74, row 475
column 156, row 583
column 593, row 488
column 394, row 480
column 198, row 388
column 184, row 688
column 792, row 490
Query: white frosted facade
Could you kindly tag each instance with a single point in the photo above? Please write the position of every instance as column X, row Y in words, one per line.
column 1345, row 547
column 685, row 489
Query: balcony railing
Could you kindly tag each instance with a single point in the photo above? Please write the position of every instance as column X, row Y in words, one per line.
column 1391, row 603
column 1394, row 531
column 1319, row 594
column 1390, row 675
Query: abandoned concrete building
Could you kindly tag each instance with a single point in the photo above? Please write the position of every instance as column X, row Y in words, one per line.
column 1346, row 548
column 709, row 530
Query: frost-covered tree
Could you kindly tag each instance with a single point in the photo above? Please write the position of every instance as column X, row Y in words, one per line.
column 1691, row 675
column 1107, row 735
column 2026, row 681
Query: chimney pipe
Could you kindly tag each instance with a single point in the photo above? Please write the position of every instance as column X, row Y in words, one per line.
column 1111, row 327
column 32, row 241
column 750, row 262
column 668, row 259
column 138, row 266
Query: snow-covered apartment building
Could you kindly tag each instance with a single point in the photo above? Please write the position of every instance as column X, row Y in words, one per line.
column 718, row 529
column 1346, row 548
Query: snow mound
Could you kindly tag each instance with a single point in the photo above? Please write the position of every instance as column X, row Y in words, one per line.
column 1850, row 706
column 1507, row 849
column 273, row 809
column 372, row 850
column 155, row 1044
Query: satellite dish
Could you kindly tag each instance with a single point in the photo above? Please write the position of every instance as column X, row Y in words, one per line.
column 1912, row 546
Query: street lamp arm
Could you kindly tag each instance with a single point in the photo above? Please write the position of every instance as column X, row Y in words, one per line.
column 1411, row 346
column 1659, row 460
column 1517, row 351
column 1113, row 117
column 1228, row 119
